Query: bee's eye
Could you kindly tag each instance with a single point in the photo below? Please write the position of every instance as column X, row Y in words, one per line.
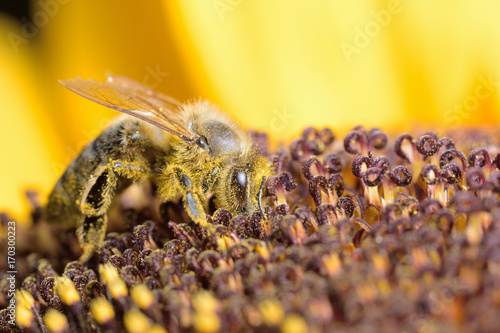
column 239, row 184
column 202, row 142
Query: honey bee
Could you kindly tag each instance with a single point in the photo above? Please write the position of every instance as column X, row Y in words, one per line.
column 192, row 149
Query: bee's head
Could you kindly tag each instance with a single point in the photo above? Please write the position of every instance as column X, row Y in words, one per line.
column 240, row 187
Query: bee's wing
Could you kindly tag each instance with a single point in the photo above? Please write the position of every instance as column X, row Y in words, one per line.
column 134, row 98
column 144, row 90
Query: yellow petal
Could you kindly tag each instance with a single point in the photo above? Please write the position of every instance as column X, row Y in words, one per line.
column 395, row 64
column 28, row 144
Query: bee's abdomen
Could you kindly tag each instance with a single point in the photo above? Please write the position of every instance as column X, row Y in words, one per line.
column 63, row 205
column 124, row 141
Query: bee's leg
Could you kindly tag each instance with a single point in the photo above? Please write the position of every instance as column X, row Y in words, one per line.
column 99, row 192
column 97, row 197
column 135, row 170
column 176, row 179
column 193, row 197
column 209, row 177
column 91, row 235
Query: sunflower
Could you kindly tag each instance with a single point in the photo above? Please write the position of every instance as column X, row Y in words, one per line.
column 276, row 66
column 368, row 231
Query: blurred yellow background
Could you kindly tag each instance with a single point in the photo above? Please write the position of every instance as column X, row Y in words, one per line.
column 275, row 65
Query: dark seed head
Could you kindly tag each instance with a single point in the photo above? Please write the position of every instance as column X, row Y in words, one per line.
column 451, row 173
column 401, row 176
column 398, row 146
column 377, row 139
column 479, row 157
column 373, row 177
column 431, row 174
column 428, row 145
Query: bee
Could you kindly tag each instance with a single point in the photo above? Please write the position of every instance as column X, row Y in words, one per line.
column 193, row 149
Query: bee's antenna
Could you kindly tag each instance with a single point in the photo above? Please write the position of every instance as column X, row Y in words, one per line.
column 260, row 196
